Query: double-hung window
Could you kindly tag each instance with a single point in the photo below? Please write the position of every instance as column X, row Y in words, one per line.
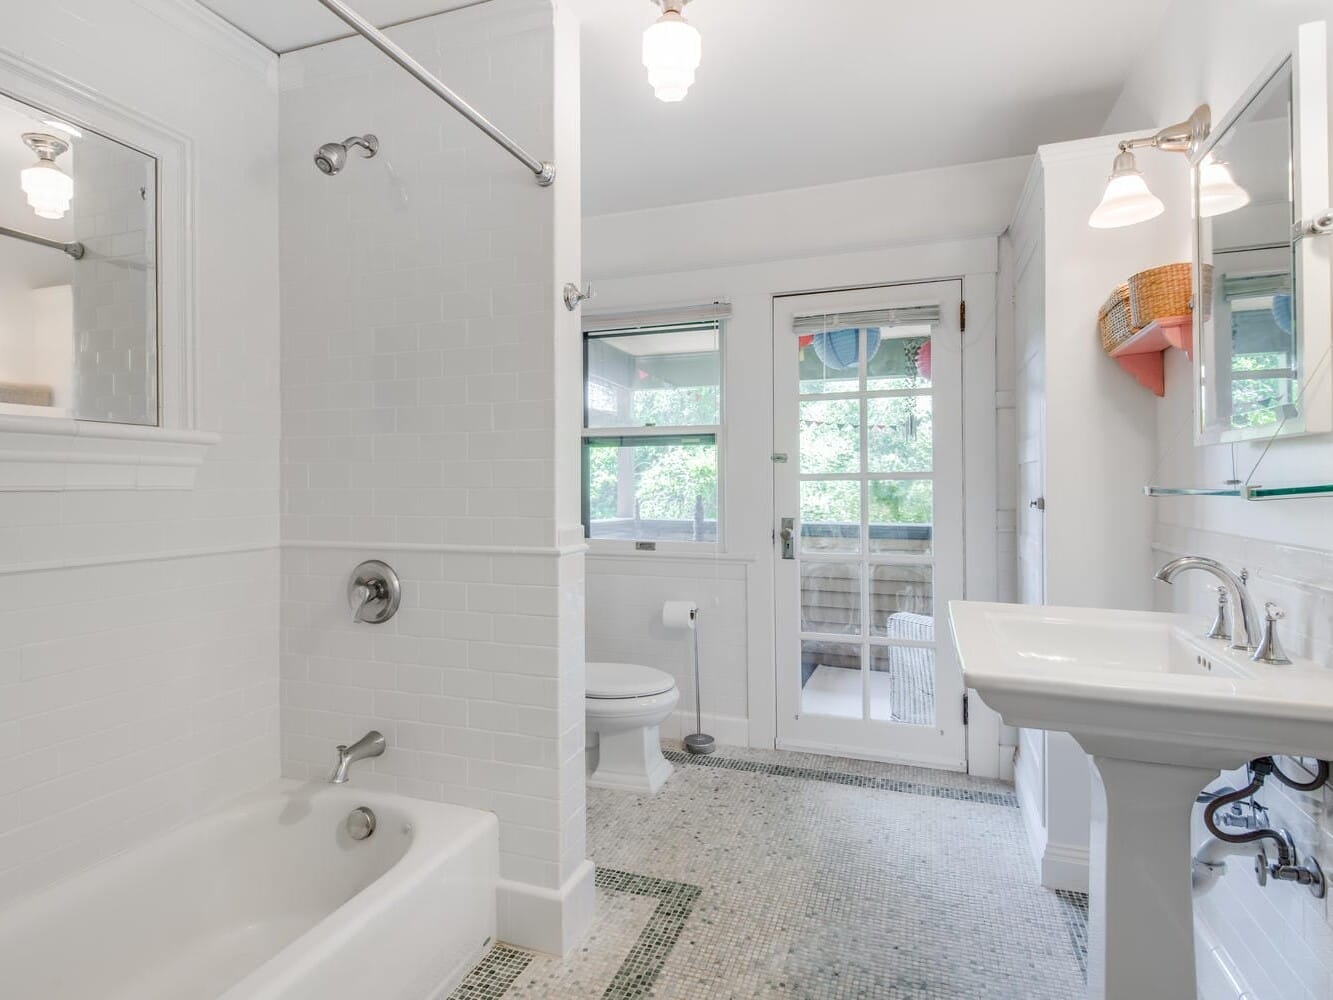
column 652, row 421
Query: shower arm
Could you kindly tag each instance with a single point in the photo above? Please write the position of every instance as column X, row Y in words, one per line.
column 544, row 171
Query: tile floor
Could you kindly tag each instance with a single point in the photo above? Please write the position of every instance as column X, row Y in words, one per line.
column 765, row 874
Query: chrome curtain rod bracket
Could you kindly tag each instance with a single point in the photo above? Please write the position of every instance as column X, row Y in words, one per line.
column 75, row 250
column 544, row 171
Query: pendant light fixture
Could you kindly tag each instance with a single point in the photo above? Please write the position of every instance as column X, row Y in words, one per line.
column 49, row 189
column 1127, row 199
column 671, row 52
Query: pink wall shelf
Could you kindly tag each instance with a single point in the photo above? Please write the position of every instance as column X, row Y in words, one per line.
column 1142, row 354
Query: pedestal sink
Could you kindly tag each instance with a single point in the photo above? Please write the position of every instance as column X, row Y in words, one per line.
column 1162, row 711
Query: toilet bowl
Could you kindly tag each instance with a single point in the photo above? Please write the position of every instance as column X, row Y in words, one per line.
column 625, row 705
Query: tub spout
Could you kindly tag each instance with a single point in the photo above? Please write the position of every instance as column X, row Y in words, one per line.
column 370, row 745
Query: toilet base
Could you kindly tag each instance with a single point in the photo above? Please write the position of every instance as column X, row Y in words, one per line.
column 631, row 761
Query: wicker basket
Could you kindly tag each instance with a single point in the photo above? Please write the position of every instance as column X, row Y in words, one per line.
column 1160, row 292
column 1113, row 320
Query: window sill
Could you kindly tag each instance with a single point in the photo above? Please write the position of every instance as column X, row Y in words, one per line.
column 696, row 551
column 48, row 454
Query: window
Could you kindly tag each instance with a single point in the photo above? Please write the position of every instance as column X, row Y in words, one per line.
column 652, row 415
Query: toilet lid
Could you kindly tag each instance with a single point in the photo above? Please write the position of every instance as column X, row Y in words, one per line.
column 626, row 680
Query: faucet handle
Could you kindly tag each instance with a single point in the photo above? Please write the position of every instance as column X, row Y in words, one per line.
column 1270, row 650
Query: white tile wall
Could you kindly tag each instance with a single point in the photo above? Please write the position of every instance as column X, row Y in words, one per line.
column 1278, row 940
column 422, row 353
column 135, row 693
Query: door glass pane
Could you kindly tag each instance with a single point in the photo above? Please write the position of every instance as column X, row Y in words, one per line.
column 830, row 516
column 829, row 361
column 831, row 679
column 902, row 603
column 899, row 434
column 902, row 360
column 831, row 597
column 902, row 684
column 900, row 515
column 831, row 435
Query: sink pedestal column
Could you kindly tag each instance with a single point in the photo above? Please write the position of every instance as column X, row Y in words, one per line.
column 1141, row 907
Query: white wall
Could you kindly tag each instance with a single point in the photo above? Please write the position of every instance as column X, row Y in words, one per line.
column 1277, row 941
column 745, row 251
column 139, row 631
column 429, row 419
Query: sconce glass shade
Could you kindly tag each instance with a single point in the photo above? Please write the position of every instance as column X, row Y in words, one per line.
column 49, row 189
column 1127, row 200
column 672, row 51
column 1218, row 191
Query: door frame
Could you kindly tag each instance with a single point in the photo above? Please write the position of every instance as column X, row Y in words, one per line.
column 947, row 746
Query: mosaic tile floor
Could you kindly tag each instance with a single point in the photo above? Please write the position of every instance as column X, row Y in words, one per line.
column 782, row 875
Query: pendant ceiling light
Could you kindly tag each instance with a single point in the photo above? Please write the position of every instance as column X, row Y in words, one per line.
column 49, row 189
column 1218, row 191
column 671, row 52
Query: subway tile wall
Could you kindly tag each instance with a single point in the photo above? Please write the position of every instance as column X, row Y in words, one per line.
column 139, row 630
column 420, row 418
column 1273, row 942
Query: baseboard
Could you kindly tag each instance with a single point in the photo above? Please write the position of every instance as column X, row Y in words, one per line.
column 1064, row 866
column 554, row 921
column 733, row 730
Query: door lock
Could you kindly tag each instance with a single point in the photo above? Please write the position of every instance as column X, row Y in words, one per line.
column 788, row 536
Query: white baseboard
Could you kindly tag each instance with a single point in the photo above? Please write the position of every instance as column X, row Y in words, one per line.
column 1064, row 867
column 551, row 920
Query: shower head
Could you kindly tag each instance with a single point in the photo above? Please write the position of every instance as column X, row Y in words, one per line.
column 331, row 157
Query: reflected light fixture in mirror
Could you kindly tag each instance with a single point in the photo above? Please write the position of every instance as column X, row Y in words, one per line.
column 1218, row 191
column 1127, row 200
column 49, row 189
column 672, row 51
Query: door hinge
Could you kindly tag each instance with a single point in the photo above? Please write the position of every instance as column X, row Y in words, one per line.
column 962, row 317
column 965, row 712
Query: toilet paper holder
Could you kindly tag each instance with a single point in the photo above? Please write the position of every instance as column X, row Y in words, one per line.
column 685, row 614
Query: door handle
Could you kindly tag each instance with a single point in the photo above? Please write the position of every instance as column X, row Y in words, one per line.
column 788, row 537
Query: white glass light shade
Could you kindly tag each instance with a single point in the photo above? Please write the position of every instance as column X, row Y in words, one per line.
column 672, row 50
column 1218, row 191
column 49, row 189
column 1127, row 199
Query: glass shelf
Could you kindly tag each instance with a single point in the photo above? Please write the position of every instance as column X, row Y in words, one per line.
column 1244, row 492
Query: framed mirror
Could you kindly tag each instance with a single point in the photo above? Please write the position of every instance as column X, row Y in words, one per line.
column 1262, row 277
column 79, row 304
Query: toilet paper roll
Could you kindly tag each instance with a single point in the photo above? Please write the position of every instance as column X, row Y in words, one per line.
column 679, row 614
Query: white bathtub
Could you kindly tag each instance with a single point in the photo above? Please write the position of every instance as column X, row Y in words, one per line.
column 269, row 898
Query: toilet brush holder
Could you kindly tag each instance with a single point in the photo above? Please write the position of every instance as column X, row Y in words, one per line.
column 698, row 741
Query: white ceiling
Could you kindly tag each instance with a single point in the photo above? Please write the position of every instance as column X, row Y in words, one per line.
column 794, row 93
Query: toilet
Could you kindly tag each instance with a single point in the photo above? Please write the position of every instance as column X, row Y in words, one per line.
column 625, row 705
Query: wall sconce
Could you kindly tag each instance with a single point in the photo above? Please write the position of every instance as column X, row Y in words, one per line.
column 672, row 51
column 1218, row 191
column 49, row 189
column 1127, row 200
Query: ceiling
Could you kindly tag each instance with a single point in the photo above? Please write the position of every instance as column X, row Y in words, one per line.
column 794, row 93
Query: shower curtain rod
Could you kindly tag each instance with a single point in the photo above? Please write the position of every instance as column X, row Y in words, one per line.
column 75, row 250
column 544, row 171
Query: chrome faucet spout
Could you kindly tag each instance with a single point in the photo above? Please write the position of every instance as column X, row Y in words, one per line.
column 371, row 745
column 1248, row 617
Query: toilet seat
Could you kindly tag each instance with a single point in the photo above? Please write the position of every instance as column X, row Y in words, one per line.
column 611, row 681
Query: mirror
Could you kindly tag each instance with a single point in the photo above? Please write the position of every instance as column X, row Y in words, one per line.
column 1249, row 358
column 78, row 271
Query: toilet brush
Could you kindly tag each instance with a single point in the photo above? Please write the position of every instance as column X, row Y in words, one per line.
column 698, row 741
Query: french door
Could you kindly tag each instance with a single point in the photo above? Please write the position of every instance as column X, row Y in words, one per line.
column 868, row 490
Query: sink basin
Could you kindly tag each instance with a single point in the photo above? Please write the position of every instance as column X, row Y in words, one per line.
column 1141, row 685
column 1162, row 711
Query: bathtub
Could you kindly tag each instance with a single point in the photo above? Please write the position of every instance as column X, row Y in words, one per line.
column 267, row 898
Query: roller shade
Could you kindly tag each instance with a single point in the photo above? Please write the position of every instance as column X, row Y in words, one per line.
column 702, row 317
column 873, row 318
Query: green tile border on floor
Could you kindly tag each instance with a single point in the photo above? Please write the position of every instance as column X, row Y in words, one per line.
column 1008, row 799
column 500, row 968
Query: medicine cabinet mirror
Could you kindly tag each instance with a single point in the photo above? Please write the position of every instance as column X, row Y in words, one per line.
column 1262, row 265
column 78, row 271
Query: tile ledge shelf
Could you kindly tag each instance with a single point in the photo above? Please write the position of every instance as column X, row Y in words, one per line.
column 50, row 454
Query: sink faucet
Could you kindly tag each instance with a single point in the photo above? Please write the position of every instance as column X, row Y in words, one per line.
column 1240, row 596
column 370, row 745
